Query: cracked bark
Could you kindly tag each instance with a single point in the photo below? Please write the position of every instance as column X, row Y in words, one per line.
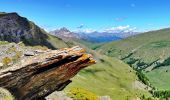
column 37, row 76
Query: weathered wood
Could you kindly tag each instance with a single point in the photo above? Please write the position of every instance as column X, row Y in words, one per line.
column 37, row 76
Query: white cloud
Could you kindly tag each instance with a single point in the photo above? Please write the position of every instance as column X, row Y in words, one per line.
column 126, row 28
column 84, row 31
column 122, row 31
column 118, row 29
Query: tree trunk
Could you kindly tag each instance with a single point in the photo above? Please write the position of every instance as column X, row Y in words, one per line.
column 37, row 76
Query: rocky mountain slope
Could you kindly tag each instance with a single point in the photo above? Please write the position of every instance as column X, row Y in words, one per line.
column 14, row 28
column 148, row 52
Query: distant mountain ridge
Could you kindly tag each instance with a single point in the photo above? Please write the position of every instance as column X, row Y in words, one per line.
column 94, row 36
column 14, row 28
column 64, row 33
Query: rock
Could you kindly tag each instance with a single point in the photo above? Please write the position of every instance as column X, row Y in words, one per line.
column 39, row 51
column 37, row 76
column 104, row 98
column 1, row 64
column 5, row 94
column 58, row 96
column 28, row 53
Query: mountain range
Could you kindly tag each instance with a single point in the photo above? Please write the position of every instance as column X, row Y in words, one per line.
column 95, row 36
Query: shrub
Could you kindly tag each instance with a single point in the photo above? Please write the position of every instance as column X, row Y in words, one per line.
column 3, row 42
column 161, row 94
column 11, row 49
column 6, row 61
column 140, row 63
column 142, row 77
column 131, row 61
column 81, row 94
column 41, row 47
column 17, row 55
column 165, row 63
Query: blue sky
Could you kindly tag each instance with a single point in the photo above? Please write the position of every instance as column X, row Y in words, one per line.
column 92, row 14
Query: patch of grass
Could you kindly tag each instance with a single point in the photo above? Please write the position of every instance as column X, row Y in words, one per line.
column 40, row 47
column 160, row 44
column 56, row 42
column 3, row 42
column 17, row 56
column 159, row 78
column 6, row 61
column 81, row 94
column 90, row 45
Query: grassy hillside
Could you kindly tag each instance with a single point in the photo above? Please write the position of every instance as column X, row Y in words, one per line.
column 41, row 37
column 109, row 77
column 149, row 46
column 56, row 42
column 160, row 78
column 91, row 45
column 148, row 51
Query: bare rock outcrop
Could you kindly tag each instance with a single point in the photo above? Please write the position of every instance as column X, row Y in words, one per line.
column 37, row 76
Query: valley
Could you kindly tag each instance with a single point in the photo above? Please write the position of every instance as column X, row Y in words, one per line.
column 147, row 53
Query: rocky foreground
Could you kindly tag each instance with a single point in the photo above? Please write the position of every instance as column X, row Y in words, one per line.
column 38, row 75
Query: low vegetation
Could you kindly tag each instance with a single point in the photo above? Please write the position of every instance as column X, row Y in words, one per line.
column 6, row 61
column 161, row 94
column 81, row 94
column 159, row 78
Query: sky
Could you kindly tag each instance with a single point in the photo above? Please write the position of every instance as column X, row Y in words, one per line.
column 90, row 15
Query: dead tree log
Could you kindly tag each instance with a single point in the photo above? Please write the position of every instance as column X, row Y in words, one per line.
column 37, row 76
